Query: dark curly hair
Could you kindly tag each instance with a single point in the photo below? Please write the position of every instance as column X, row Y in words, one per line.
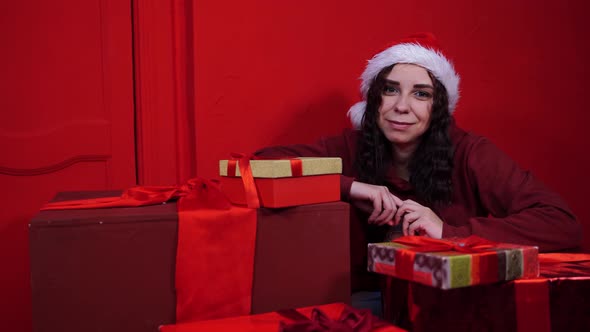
column 431, row 165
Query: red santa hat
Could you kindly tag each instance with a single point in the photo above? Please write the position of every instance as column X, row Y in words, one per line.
column 420, row 49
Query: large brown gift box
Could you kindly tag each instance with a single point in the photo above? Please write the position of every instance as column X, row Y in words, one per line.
column 113, row 269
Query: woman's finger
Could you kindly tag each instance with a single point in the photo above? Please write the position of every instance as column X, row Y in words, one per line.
column 377, row 208
column 387, row 217
column 409, row 219
column 389, row 210
column 398, row 202
column 387, row 207
column 403, row 209
column 411, row 202
column 415, row 227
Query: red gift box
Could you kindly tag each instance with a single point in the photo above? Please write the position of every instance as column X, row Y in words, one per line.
column 452, row 263
column 319, row 318
column 559, row 300
column 123, row 259
column 280, row 183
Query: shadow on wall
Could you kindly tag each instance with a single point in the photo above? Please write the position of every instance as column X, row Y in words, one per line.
column 308, row 121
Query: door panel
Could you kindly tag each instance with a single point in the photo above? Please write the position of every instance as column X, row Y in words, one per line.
column 67, row 119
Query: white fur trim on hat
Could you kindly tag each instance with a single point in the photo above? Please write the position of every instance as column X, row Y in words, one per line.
column 428, row 58
column 356, row 113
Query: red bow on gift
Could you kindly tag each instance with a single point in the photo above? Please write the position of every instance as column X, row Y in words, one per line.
column 350, row 320
column 197, row 193
column 472, row 244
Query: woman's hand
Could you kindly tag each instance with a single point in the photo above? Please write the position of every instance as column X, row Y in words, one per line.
column 377, row 200
column 418, row 220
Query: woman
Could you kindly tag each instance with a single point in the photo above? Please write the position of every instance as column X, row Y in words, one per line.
column 408, row 164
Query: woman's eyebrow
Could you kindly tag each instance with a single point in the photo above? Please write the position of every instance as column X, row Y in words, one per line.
column 391, row 82
column 423, row 86
column 416, row 86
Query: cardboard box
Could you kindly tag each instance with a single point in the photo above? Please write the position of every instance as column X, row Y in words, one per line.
column 113, row 269
column 558, row 300
column 453, row 269
column 279, row 184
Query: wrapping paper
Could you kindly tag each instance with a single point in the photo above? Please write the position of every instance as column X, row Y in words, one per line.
column 283, row 168
column 452, row 263
column 278, row 183
column 558, row 300
column 206, row 286
column 197, row 238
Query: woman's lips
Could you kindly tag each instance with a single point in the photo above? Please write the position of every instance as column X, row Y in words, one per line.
column 399, row 125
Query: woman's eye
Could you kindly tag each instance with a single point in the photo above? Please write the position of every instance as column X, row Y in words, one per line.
column 389, row 90
column 423, row 94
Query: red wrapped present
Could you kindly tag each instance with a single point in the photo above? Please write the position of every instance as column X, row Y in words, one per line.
column 118, row 269
column 452, row 263
column 279, row 183
column 558, row 300
column 331, row 317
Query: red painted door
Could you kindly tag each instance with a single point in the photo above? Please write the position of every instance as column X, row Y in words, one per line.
column 67, row 121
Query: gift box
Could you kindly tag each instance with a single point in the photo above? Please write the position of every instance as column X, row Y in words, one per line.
column 282, row 182
column 113, row 269
column 558, row 300
column 452, row 263
column 329, row 317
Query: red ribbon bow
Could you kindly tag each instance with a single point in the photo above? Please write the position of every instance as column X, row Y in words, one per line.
column 350, row 320
column 472, row 244
column 197, row 193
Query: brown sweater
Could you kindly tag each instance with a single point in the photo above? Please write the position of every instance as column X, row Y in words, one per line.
column 492, row 196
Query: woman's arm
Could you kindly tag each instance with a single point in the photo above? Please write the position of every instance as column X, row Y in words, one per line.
column 336, row 146
column 521, row 209
column 376, row 200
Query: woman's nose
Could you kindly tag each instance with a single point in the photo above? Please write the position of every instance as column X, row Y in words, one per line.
column 401, row 104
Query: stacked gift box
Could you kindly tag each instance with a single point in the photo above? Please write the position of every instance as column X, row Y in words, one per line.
column 116, row 268
column 476, row 285
column 282, row 182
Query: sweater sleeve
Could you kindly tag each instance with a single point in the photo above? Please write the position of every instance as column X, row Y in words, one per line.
column 521, row 209
column 336, row 146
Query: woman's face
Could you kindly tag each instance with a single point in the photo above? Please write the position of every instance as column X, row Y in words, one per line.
column 406, row 105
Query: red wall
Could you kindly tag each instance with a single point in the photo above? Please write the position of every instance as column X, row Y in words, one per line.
column 66, row 121
column 275, row 72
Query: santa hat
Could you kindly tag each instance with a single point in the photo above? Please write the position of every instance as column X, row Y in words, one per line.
column 420, row 49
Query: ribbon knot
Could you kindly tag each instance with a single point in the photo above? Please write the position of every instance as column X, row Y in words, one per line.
column 471, row 244
column 197, row 193
column 200, row 193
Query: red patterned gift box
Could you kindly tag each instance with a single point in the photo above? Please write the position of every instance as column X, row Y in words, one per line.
column 279, row 183
column 452, row 263
column 330, row 317
column 558, row 300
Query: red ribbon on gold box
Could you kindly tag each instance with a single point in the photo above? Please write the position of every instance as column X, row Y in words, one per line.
column 280, row 182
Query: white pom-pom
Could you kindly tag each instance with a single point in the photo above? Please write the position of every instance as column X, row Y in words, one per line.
column 356, row 113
